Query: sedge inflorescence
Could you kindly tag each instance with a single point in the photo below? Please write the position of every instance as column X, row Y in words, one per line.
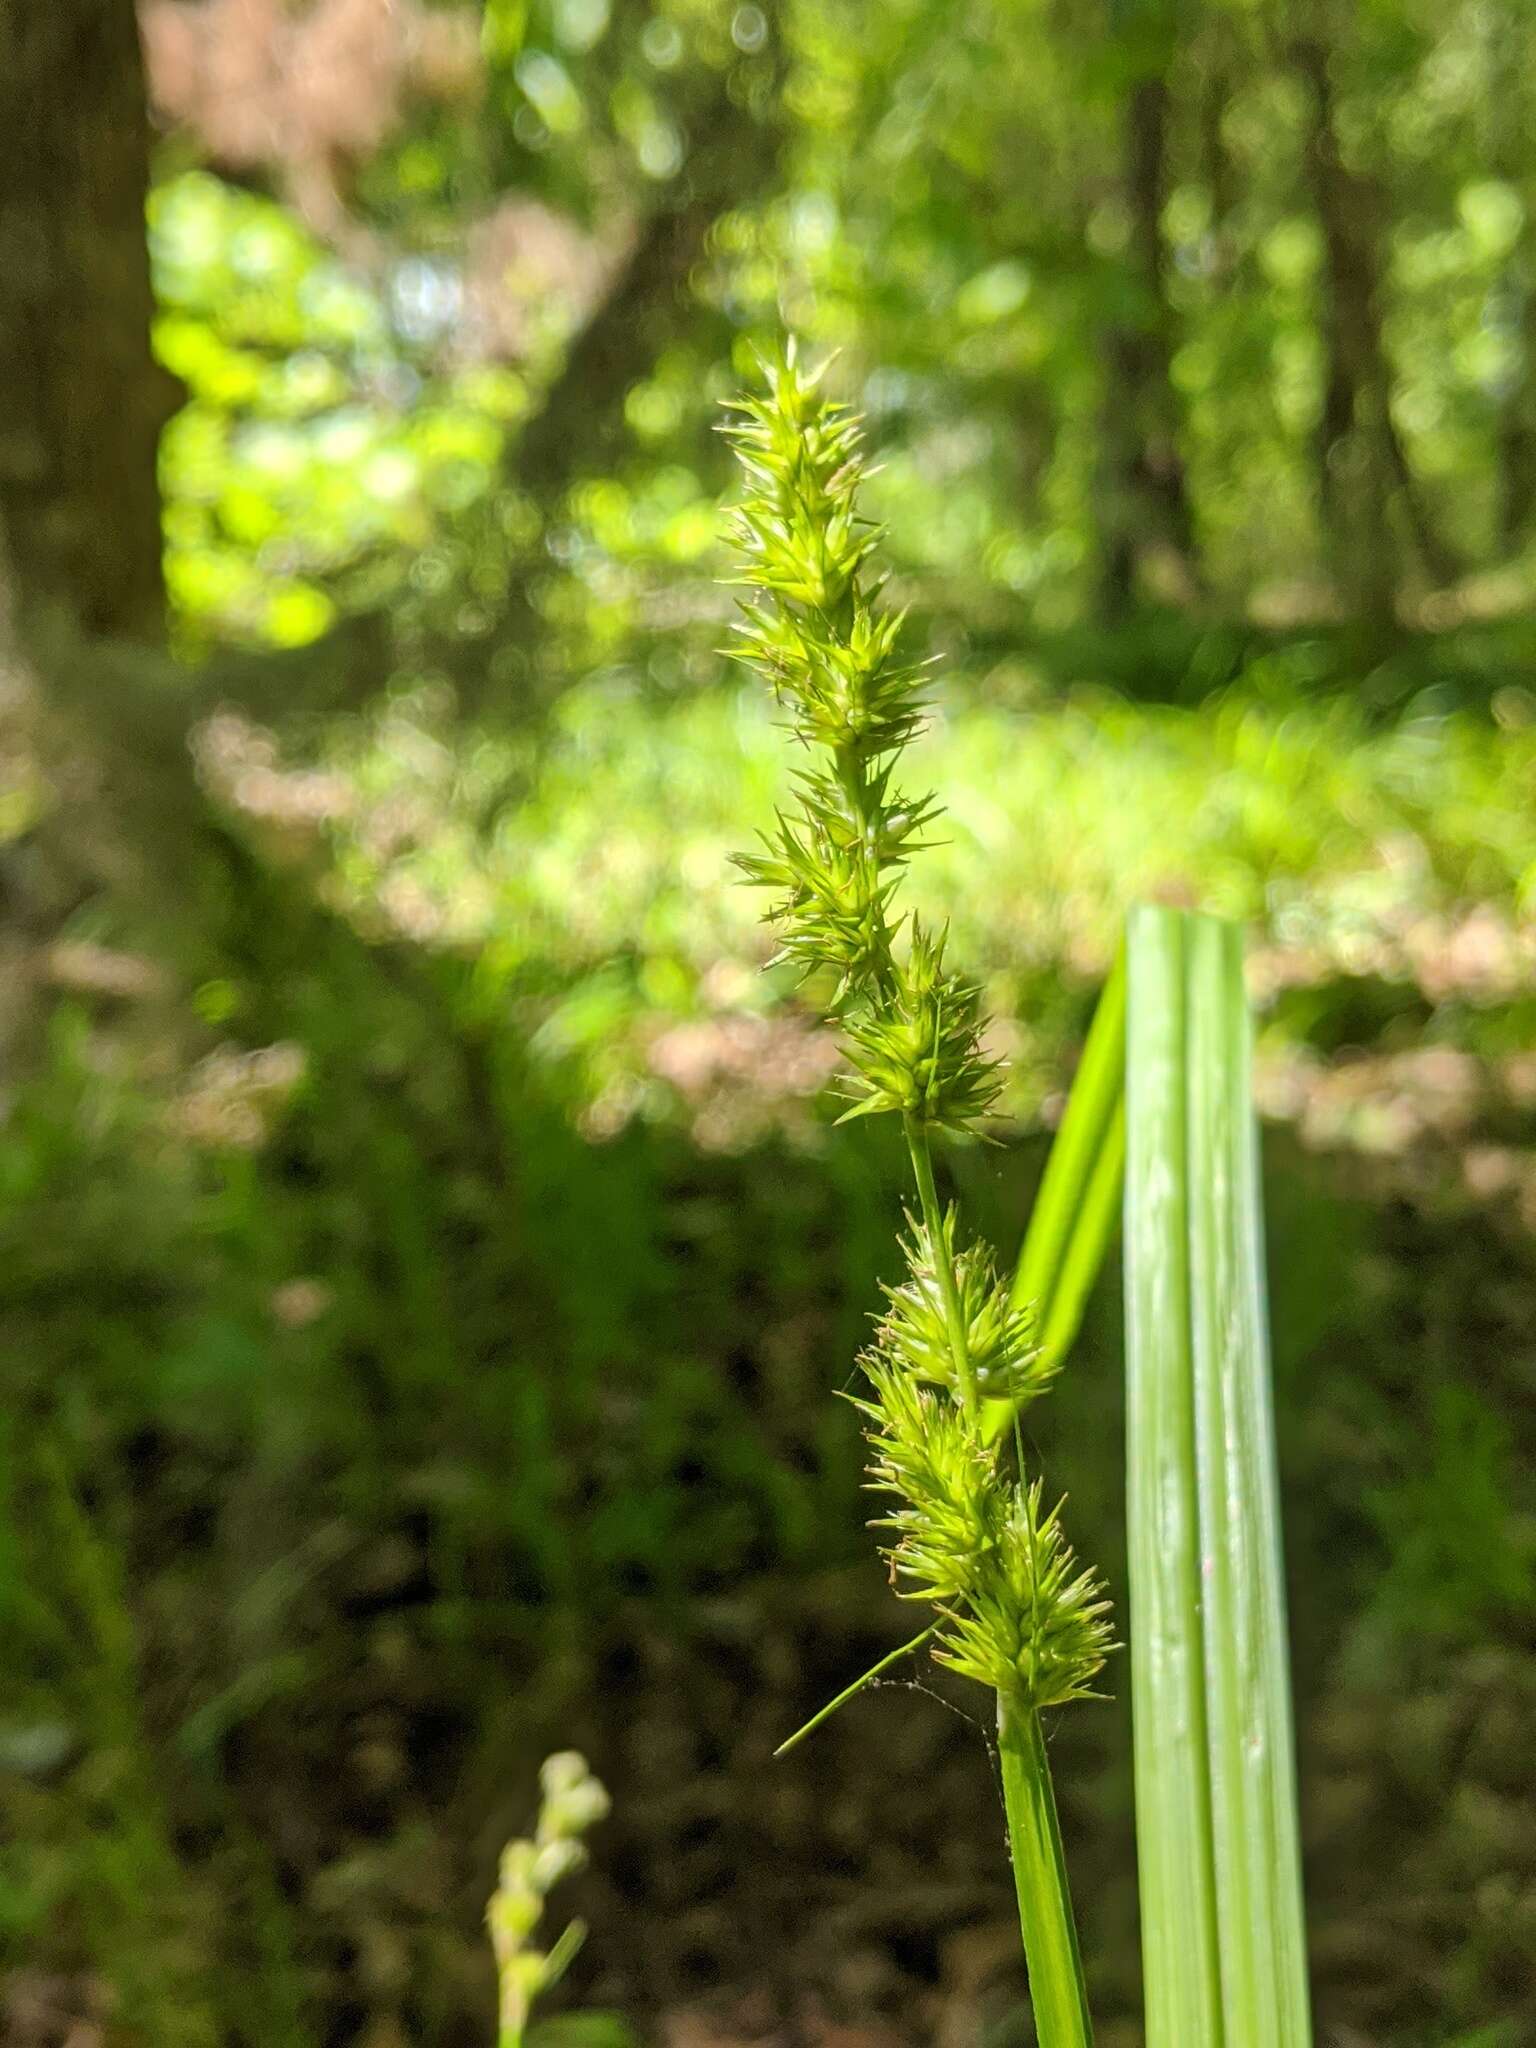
column 967, row 1531
column 571, row 1802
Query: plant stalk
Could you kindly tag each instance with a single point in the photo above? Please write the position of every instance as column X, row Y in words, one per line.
column 1056, row 1989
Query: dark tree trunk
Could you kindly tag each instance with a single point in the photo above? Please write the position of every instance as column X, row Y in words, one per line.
column 1510, row 46
column 1516, row 438
column 581, row 424
column 1351, row 477
column 1147, row 509
column 1362, row 465
column 734, row 138
column 1216, row 89
column 82, row 599
column 82, row 401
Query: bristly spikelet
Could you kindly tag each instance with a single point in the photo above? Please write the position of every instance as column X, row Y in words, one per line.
column 999, row 1336
column 1036, row 1627
column 943, row 1479
column 922, row 1053
column 1015, row 1611
column 829, row 650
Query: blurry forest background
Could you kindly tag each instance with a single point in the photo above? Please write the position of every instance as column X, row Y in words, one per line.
column 426, row 1258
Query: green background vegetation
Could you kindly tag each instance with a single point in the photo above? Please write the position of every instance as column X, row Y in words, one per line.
column 427, row 1259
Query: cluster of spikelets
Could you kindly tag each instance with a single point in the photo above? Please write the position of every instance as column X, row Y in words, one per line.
column 1015, row 1611
column 571, row 1802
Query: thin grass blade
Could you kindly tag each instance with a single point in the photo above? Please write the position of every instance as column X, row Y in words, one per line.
column 1076, row 1209
column 849, row 1692
column 1084, row 1138
column 1097, row 1214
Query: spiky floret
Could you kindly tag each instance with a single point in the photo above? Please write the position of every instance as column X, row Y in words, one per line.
column 829, row 648
column 1036, row 1624
column 821, row 866
column 1015, row 1611
column 850, row 693
column 799, row 527
column 999, row 1335
column 943, row 1477
column 921, row 1054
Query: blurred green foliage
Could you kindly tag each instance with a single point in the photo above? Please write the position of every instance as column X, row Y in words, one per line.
column 1018, row 229
column 315, row 458
column 424, row 1258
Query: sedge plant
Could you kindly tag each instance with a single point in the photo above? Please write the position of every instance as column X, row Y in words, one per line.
column 967, row 1531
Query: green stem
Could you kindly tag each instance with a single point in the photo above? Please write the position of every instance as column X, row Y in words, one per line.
column 928, row 1198
column 1040, row 1875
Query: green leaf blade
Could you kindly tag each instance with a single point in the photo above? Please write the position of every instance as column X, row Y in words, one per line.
column 1173, row 1815
column 1075, row 1211
column 1253, row 1802
column 1216, row 1800
column 1076, row 1156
